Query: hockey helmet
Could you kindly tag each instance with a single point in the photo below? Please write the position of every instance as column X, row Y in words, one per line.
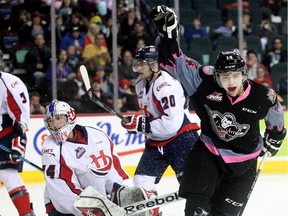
column 54, row 109
column 147, row 54
column 229, row 62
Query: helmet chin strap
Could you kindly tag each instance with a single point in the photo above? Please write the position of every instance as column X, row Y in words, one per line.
column 152, row 73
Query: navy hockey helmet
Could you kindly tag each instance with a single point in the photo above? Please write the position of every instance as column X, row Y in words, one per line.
column 146, row 54
column 229, row 62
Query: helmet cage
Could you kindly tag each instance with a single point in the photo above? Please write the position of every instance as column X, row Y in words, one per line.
column 54, row 109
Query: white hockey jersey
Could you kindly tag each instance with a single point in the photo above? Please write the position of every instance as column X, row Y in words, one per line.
column 164, row 103
column 74, row 165
column 14, row 102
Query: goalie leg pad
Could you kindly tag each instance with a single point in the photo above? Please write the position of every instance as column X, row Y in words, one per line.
column 91, row 202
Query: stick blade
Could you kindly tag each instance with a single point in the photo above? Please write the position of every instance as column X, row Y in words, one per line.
column 84, row 74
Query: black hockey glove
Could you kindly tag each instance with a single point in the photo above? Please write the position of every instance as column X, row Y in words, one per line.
column 166, row 21
column 19, row 128
column 18, row 149
column 137, row 123
column 272, row 141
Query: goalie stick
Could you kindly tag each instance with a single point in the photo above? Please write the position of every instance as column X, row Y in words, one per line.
column 146, row 205
column 87, row 84
column 21, row 158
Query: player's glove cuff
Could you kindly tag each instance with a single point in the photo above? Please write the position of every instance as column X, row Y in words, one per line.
column 19, row 128
column 18, row 149
column 137, row 123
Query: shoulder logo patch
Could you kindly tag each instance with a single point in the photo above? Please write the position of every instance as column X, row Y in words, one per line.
column 209, row 70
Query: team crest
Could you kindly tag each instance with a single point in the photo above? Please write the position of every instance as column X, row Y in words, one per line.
column 225, row 125
column 100, row 163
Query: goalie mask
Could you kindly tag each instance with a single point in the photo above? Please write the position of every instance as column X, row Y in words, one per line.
column 229, row 62
column 54, row 122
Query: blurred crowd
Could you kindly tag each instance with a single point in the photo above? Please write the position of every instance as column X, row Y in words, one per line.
column 84, row 36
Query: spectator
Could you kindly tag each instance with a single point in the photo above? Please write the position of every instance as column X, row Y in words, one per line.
column 261, row 78
column 253, row 63
column 138, row 32
column 225, row 30
column 64, row 71
column 128, row 98
column 79, row 82
column 88, row 105
column 60, row 29
column 140, row 44
column 194, row 31
column 37, row 26
column 125, row 70
column 265, row 30
column 35, row 105
column 90, row 35
column 66, row 10
column 19, row 20
column 96, row 54
column 73, row 56
column 74, row 37
column 127, row 26
column 276, row 55
column 37, row 61
column 246, row 25
column 77, row 20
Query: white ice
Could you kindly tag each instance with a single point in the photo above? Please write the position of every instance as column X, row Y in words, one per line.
column 269, row 197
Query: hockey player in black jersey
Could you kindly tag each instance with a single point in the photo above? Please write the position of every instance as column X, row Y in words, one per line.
column 221, row 167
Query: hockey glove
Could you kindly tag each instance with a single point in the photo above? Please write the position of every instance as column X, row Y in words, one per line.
column 166, row 22
column 19, row 128
column 272, row 141
column 137, row 123
column 18, row 149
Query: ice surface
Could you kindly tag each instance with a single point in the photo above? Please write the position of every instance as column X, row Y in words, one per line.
column 269, row 197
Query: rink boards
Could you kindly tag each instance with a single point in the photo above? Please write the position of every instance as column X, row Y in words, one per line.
column 128, row 146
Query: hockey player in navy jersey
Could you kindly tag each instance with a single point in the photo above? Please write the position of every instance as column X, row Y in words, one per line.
column 170, row 134
column 221, row 167
column 14, row 120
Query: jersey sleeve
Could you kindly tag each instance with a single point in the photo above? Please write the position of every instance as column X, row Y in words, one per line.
column 275, row 115
column 170, row 101
column 173, row 60
column 17, row 97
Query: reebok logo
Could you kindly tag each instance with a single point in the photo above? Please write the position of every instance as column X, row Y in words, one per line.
column 157, row 202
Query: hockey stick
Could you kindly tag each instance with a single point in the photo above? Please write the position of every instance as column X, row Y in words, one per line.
column 21, row 158
column 146, row 205
column 254, row 182
column 87, row 84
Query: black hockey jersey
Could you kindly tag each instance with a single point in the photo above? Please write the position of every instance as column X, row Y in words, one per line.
column 229, row 126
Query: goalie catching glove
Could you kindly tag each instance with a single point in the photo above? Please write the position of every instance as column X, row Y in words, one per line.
column 166, row 21
column 136, row 123
column 272, row 141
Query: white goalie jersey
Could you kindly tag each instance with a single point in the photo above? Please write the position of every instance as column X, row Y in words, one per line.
column 74, row 165
column 162, row 102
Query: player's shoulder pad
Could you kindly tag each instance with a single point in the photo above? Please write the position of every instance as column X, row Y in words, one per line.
column 163, row 81
column 208, row 70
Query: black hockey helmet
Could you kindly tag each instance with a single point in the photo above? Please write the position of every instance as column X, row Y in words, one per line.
column 229, row 62
column 146, row 54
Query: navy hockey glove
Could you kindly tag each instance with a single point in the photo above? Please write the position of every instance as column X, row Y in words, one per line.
column 18, row 149
column 137, row 123
column 272, row 141
column 166, row 21
column 19, row 128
